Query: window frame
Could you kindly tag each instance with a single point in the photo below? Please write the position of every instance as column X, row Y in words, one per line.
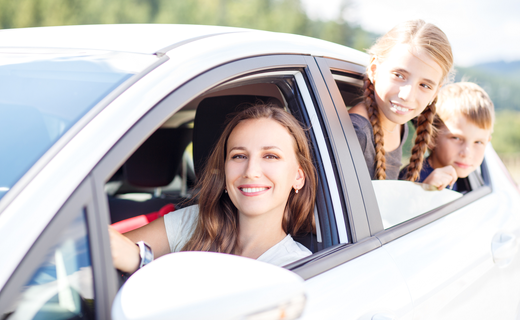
column 372, row 209
column 205, row 82
column 81, row 199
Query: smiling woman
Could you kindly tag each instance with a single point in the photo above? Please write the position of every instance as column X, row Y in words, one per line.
column 257, row 189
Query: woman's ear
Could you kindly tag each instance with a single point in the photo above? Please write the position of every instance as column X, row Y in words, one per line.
column 299, row 182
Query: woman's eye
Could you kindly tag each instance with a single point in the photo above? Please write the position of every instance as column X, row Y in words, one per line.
column 271, row 156
column 398, row 75
column 238, row 156
column 455, row 138
column 426, row 86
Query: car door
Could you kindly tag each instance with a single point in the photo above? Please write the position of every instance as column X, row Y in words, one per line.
column 457, row 253
column 356, row 279
column 63, row 275
column 369, row 285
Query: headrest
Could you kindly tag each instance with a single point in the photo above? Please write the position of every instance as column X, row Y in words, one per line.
column 211, row 118
column 158, row 159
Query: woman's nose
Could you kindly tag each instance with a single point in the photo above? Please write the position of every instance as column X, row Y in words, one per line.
column 253, row 169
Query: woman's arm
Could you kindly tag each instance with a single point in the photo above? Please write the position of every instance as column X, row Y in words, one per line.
column 125, row 253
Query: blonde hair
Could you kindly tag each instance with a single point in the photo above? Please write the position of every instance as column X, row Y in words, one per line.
column 420, row 36
column 467, row 99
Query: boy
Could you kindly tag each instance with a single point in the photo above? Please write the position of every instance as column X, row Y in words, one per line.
column 463, row 125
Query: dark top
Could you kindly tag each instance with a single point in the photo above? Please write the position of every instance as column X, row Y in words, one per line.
column 425, row 172
column 365, row 135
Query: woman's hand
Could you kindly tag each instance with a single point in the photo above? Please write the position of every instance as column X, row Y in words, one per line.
column 125, row 253
column 442, row 177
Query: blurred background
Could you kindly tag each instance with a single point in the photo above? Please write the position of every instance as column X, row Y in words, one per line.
column 484, row 34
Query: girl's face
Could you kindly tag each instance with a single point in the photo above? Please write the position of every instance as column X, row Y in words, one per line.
column 405, row 82
column 261, row 167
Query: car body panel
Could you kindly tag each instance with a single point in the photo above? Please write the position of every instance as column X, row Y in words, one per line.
column 449, row 263
column 345, row 292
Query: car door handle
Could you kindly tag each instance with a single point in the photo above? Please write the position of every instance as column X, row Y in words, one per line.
column 383, row 316
column 503, row 248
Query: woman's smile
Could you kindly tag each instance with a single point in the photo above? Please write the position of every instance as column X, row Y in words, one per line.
column 252, row 191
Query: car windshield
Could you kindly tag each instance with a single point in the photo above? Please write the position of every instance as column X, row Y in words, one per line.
column 44, row 93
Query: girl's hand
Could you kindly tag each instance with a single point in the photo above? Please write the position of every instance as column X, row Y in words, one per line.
column 442, row 177
column 125, row 253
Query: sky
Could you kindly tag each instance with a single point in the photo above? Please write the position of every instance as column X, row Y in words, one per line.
column 479, row 30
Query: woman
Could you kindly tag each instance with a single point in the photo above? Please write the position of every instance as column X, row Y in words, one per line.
column 257, row 190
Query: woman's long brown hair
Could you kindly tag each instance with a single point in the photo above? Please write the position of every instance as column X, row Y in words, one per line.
column 217, row 226
column 433, row 41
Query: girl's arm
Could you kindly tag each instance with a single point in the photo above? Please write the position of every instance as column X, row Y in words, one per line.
column 125, row 253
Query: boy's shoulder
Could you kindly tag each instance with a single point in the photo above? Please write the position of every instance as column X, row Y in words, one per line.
column 425, row 171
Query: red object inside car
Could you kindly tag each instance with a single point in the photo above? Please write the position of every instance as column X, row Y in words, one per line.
column 142, row 220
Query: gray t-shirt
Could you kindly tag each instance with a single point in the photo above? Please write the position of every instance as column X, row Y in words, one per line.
column 365, row 135
column 180, row 225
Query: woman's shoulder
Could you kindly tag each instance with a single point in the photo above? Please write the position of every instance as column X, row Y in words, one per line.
column 179, row 225
column 285, row 252
column 182, row 215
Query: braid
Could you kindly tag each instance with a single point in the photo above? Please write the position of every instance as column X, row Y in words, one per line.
column 424, row 134
column 373, row 117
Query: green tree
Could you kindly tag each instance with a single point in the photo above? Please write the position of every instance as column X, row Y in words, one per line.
column 271, row 15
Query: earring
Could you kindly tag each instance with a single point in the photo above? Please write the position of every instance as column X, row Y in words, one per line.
column 225, row 190
column 296, row 190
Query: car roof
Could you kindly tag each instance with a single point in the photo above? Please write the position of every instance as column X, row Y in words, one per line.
column 161, row 38
column 136, row 38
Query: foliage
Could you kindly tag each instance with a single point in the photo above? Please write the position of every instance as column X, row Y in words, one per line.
column 271, row 15
column 506, row 135
column 500, row 80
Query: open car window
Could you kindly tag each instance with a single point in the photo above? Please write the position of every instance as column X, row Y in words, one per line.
column 401, row 201
column 160, row 175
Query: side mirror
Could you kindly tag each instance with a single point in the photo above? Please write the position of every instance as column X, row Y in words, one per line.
column 207, row 285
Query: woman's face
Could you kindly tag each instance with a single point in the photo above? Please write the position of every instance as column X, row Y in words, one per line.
column 405, row 82
column 261, row 167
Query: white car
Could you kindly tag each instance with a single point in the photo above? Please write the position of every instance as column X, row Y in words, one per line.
column 110, row 123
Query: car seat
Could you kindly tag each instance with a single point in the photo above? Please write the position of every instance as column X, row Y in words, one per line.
column 154, row 164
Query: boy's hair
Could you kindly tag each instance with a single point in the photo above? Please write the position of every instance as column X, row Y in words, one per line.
column 467, row 99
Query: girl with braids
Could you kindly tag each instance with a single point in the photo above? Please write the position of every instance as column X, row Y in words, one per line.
column 258, row 189
column 408, row 66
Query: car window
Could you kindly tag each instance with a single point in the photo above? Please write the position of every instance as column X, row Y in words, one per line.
column 37, row 94
column 400, row 201
column 62, row 287
column 161, row 174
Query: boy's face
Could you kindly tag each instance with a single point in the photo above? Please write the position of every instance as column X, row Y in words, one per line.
column 461, row 144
